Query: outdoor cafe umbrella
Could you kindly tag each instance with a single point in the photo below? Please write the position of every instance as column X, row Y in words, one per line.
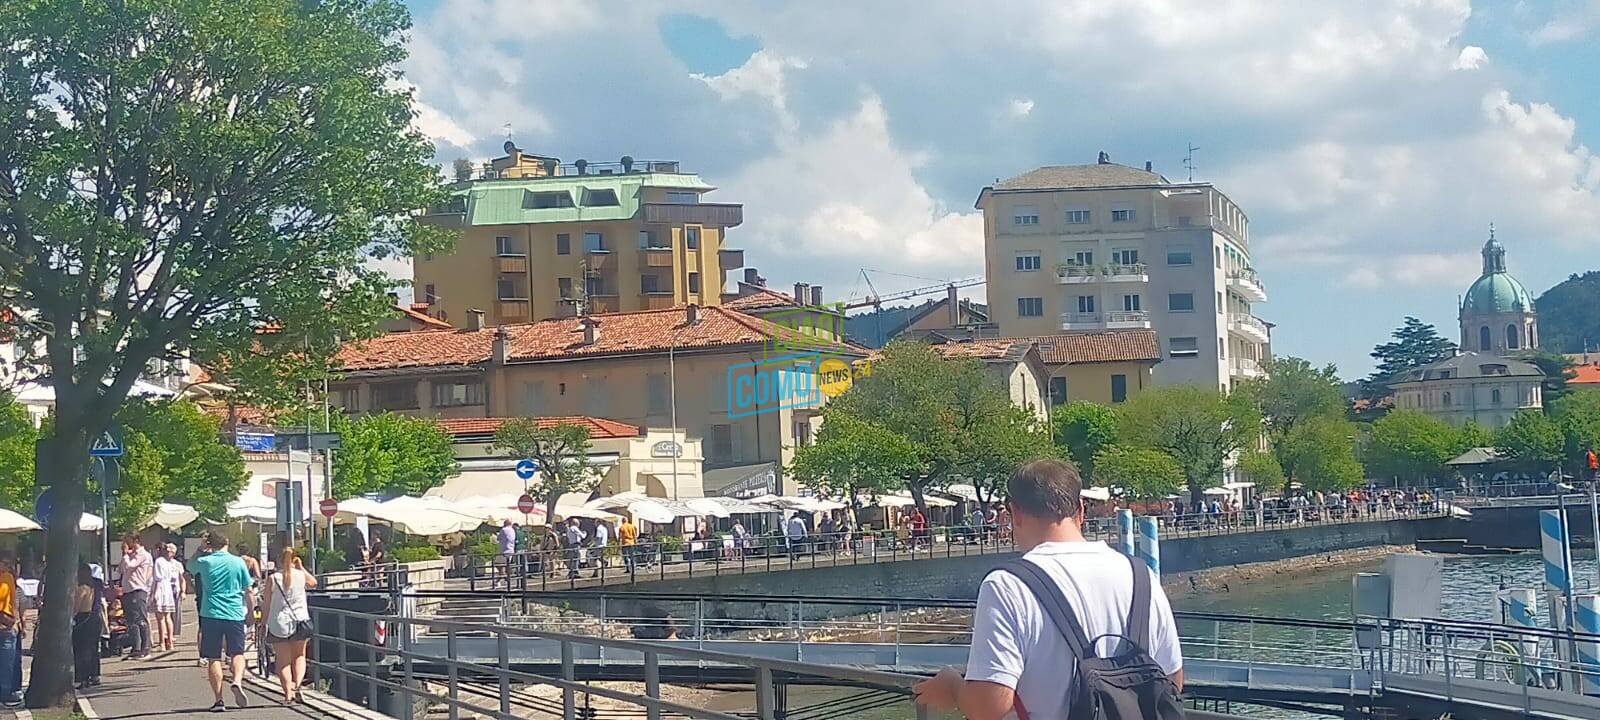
column 172, row 516
column 709, row 507
column 11, row 522
column 424, row 516
column 496, row 509
column 652, row 511
column 90, row 522
column 260, row 513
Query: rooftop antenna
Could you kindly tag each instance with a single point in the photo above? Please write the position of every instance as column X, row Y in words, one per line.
column 1188, row 161
column 1491, row 231
column 507, row 127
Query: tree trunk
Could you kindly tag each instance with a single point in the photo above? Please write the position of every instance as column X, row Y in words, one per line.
column 66, row 460
column 921, row 501
column 550, row 509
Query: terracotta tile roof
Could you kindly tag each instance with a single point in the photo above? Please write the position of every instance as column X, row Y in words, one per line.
column 1585, row 375
column 762, row 299
column 420, row 315
column 1110, row 346
column 599, row 428
column 995, row 349
column 631, row 333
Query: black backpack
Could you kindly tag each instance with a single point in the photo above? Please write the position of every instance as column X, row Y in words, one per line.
column 1128, row 685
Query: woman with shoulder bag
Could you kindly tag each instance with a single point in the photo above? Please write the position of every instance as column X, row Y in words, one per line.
column 287, row 621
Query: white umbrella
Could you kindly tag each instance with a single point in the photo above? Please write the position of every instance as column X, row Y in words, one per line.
column 1216, row 491
column 652, row 511
column 353, row 508
column 11, row 522
column 1099, row 493
column 963, row 491
column 425, row 516
column 171, row 516
column 709, row 507
column 497, row 509
column 619, row 500
column 89, row 522
column 578, row 511
column 260, row 513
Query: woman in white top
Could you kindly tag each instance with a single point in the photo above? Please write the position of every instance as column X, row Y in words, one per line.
column 286, row 622
column 167, row 589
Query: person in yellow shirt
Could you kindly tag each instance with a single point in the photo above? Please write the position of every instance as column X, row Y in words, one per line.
column 10, row 633
column 628, row 535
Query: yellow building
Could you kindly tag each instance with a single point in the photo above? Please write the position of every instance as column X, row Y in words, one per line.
column 728, row 378
column 1104, row 367
column 541, row 239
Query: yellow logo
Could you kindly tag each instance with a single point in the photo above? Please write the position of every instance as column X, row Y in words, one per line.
column 833, row 377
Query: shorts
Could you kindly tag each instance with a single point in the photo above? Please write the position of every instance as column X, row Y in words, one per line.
column 214, row 634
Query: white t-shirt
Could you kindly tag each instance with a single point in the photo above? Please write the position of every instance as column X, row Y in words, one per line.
column 1010, row 625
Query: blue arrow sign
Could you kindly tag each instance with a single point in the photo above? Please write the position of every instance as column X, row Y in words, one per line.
column 526, row 469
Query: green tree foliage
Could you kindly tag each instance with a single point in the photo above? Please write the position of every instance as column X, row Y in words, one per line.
column 1140, row 473
column 854, row 457
column 1081, row 429
column 17, row 435
column 391, row 454
column 1302, row 411
column 1578, row 415
column 1472, row 435
column 1199, row 427
column 1569, row 314
column 1320, row 454
column 991, row 452
column 196, row 468
column 958, row 417
column 461, row 170
column 562, row 452
column 1411, row 446
column 1531, row 438
column 179, row 176
column 1263, row 468
column 1415, row 344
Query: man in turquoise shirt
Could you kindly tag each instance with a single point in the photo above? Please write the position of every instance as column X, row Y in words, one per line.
column 227, row 601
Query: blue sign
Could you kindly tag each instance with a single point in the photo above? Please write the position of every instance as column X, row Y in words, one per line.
column 107, row 446
column 526, row 469
column 772, row 385
column 41, row 509
column 254, row 442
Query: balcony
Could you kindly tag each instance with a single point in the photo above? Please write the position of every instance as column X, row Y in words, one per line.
column 511, row 264
column 604, row 304
column 1127, row 320
column 600, row 260
column 1073, row 274
column 712, row 214
column 515, row 310
column 1132, row 272
column 1080, row 321
column 1245, row 282
column 658, row 257
column 1247, row 368
column 656, row 300
column 1248, row 327
column 730, row 259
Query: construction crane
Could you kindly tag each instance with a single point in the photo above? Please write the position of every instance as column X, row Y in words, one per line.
column 874, row 300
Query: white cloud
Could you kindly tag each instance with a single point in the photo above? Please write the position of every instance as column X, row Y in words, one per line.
column 1418, row 271
column 760, row 76
column 1576, row 22
column 1021, row 107
column 1472, row 57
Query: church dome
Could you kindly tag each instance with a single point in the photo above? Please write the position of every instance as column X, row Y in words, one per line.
column 1497, row 293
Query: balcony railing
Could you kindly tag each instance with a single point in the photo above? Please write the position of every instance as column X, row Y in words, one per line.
column 658, row 257
column 1075, row 273
column 1246, row 367
column 1126, row 319
column 1113, row 272
column 1126, row 272
column 1249, row 326
column 1245, row 282
column 656, row 300
column 730, row 259
column 714, row 214
column 1080, row 320
column 511, row 263
column 512, row 309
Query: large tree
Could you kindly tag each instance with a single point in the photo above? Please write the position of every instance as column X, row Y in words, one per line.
column 1415, row 343
column 1533, row 439
column 177, row 176
column 1081, row 429
column 390, row 454
column 1410, row 446
column 854, row 457
column 1319, row 453
column 16, row 455
column 561, row 452
column 1302, row 413
column 1140, row 473
column 1578, row 415
column 173, row 454
column 1199, row 427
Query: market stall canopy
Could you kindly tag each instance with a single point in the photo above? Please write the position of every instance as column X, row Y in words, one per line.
column 255, row 510
column 578, row 511
column 1217, row 491
column 737, row 506
column 11, row 523
column 709, row 507
column 1476, row 456
column 905, row 500
column 171, row 516
column 1096, row 493
column 961, row 491
column 651, row 511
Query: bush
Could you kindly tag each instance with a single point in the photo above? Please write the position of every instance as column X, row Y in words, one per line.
column 483, row 549
column 670, row 543
column 415, row 553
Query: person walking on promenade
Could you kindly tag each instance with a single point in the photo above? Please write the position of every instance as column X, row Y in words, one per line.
column 627, row 534
column 286, row 624
column 11, row 633
column 88, row 624
column 1035, row 618
column 919, row 525
column 602, row 536
column 507, row 539
column 138, row 574
column 795, row 534
column 574, row 542
column 168, row 592
column 229, row 598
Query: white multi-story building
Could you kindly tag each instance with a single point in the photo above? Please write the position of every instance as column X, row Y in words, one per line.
column 1105, row 246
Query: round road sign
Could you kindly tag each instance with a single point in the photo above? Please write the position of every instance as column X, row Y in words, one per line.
column 526, row 469
column 329, row 507
column 525, row 504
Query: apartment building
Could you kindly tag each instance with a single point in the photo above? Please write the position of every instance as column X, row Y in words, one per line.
column 541, row 239
column 1093, row 248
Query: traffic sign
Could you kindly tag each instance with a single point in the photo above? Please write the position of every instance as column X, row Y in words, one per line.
column 329, row 507
column 525, row 504
column 41, row 509
column 526, row 469
column 109, row 445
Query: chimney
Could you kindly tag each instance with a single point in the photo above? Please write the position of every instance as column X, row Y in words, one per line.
column 816, row 295
column 1105, row 158
column 954, row 303
column 1149, row 166
column 691, row 314
column 800, row 293
column 751, row 277
column 498, row 347
column 591, row 330
column 474, row 319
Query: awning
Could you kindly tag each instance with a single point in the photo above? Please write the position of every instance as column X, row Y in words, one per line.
column 11, row 523
column 741, row 480
column 652, row 512
column 1096, row 493
column 253, row 509
column 960, row 491
column 708, row 507
column 905, row 500
column 171, row 516
column 429, row 516
column 1476, row 456
column 499, row 508
column 1216, row 491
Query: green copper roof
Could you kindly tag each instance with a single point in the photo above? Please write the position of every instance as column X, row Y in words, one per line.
column 505, row 202
column 1497, row 293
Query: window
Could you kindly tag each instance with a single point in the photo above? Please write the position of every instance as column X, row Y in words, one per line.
column 594, row 285
column 649, row 283
column 507, row 289
column 1494, row 396
column 1217, row 251
column 533, row 402
column 646, row 239
column 394, row 396
column 1058, row 390
column 594, row 242
column 449, row 393
column 1086, row 303
column 1028, row 263
column 1447, row 399
column 600, row 198
column 504, row 246
column 430, row 297
column 1513, row 337
column 1184, row 221
column 683, row 198
column 1030, row 307
column 1222, row 348
column 546, row 200
column 1119, row 388
column 658, row 394
column 1125, row 257
column 719, row 443
column 1077, row 217
column 694, row 282
column 1082, row 258
column 1122, row 215
column 349, row 399
column 563, row 244
column 1220, row 304
column 1177, row 258
column 1025, row 215
column 564, row 288
column 691, row 238
column 1485, row 339
column 1183, row 347
column 596, row 401
column 1180, row 302
column 1130, row 303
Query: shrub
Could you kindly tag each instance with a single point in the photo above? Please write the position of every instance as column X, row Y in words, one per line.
column 415, row 553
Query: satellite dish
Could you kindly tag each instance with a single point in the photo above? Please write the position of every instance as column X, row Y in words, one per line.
column 510, row 147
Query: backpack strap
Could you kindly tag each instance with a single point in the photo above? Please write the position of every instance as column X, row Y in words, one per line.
column 1138, row 628
column 1054, row 603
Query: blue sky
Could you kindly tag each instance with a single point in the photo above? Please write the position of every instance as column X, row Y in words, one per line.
column 1371, row 142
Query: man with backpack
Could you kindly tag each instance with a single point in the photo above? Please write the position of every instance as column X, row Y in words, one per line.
column 1071, row 630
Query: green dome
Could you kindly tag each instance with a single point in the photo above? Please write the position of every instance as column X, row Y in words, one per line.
column 1497, row 293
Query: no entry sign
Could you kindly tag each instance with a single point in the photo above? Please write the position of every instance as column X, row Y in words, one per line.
column 329, row 507
column 525, row 504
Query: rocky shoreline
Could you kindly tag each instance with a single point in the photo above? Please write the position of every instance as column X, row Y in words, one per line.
column 1231, row 578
